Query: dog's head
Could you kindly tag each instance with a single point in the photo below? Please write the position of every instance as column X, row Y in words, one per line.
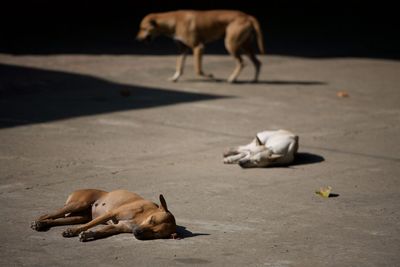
column 148, row 29
column 159, row 224
column 262, row 158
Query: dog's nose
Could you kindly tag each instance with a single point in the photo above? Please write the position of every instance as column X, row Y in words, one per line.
column 137, row 231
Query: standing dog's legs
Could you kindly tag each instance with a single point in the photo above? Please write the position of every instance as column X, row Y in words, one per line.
column 198, row 54
column 180, row 63
column 105, row 231
column 257, row 66
column 237, row 34
column 237, row 70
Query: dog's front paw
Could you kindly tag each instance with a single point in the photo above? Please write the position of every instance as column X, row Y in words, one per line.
column 39, row 226
column 228, row 161
column 70, row 232
column 86, row 236
column 175, row 77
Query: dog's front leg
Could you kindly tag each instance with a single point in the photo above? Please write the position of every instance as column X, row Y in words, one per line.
column 198, row 54
column 105, row 231
column 70, row 232
column 233, row 159
column 236, row 150
column 180, row 63
column 179, row 67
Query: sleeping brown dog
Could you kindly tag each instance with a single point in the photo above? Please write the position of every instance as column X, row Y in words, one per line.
column 193, row 29
column 120, row 210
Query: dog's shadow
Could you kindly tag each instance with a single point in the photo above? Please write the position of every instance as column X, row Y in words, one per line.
column 270, row 82
column 304, row 158
column 181, row 233
column 184, row 233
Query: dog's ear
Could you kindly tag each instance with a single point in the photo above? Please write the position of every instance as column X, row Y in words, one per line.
column 153, row 23
column 163, row 203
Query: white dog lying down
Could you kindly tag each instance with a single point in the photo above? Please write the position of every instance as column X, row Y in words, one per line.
column 269, row 148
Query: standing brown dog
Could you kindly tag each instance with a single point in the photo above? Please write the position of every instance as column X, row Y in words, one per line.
column 193, row 29
column 122, row 211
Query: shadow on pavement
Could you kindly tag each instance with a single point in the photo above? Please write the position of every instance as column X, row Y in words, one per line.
column 270, row 82
column 30, row 95
column 184, row 233
column 282, row 82
column 303, row 158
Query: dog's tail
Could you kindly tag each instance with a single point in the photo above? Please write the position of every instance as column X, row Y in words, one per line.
column 259, row 35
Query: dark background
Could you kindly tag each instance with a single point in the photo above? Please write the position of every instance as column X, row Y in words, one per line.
column 301, row 28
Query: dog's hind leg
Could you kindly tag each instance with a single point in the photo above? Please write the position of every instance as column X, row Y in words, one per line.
column 239, row 66
column 249, row 51
column 46, row 224
column 237, row 34
column 59, row 217
column 68, row 208
column 104, row 232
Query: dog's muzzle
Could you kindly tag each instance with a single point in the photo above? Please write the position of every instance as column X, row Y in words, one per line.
column 140, row 233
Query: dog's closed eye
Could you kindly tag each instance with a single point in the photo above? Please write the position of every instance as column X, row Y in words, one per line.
column 152, row 220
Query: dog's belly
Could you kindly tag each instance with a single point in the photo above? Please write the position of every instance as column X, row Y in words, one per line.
column 112, row 201
column 207, row 35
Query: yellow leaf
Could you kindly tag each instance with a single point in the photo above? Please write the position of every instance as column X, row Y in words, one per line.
column 324, row 191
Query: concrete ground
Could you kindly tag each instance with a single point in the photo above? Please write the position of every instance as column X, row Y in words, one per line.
column 64, row 125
